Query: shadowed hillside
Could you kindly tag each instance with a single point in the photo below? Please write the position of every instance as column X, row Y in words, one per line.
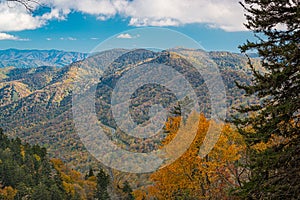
column 36, row 102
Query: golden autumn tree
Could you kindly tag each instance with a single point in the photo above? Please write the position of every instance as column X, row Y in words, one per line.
column 74, row 183
column 193, row 177
column 7, row 193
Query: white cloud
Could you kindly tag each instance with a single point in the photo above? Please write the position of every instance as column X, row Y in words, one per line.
column 103, row 17
column 71, row 38
column 124, row 36
column 5, row 36
column 55, row 14
column 94, row 7
column 17, row 18
column 68, row 38
column 127, row 36
column 153, row 22
column 223, row 14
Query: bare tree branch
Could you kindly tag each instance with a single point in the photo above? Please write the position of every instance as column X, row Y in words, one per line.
column 28, row 4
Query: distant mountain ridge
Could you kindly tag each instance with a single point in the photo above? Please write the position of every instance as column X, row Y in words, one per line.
column 36, row 58
column 36, row 102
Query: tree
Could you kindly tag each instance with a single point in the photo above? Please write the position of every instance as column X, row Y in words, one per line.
column 75, row 185
column 26, row 172
column 128, row 191
column 56, row 192
column 7, row 193
column 102, row 184
column 193, row 177
column 274, row 123
column 28, row 4
column 40, row 192
column 89, row 174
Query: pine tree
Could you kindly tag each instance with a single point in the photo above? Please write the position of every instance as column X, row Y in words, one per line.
column 271, row 128
column 41, row 192
column 128, row 191
column 90, row 173
column 102, row 184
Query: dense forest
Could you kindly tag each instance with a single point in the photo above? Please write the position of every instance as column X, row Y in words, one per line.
column 36, row 103
column 257, row 154
column 27, row 172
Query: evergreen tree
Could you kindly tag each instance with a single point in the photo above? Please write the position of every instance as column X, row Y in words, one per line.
column 23, row 191
column 102, row 184
column 89, row 174
column 128, row 191
column 56, row 192
column 40, row 192
column 271, row 128
column 3, row 139
column 26, row 172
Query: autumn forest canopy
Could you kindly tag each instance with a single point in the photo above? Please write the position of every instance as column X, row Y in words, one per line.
column 256, row 154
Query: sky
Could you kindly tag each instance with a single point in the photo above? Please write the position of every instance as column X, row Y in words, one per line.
column 81, row 25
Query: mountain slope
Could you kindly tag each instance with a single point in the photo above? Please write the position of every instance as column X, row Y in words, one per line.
column 35, row 103
column 37, row 58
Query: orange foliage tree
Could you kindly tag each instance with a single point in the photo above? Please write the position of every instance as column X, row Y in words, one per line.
column 193, row 177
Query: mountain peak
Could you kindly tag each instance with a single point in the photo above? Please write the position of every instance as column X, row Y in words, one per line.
column 36, row 58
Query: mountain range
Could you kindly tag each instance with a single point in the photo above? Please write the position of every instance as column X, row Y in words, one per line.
column 36, row 93
column 36, row 58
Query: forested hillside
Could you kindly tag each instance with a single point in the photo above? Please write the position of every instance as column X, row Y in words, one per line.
column 37, row 58
column 36, row 102
column 27, row 172
column 196, row 124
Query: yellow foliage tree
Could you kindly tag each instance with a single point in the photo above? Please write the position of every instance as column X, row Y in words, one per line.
column 74, row 182
column 193, row 177
column 8, row 193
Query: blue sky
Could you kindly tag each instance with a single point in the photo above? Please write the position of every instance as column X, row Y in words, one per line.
column 74, row 26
